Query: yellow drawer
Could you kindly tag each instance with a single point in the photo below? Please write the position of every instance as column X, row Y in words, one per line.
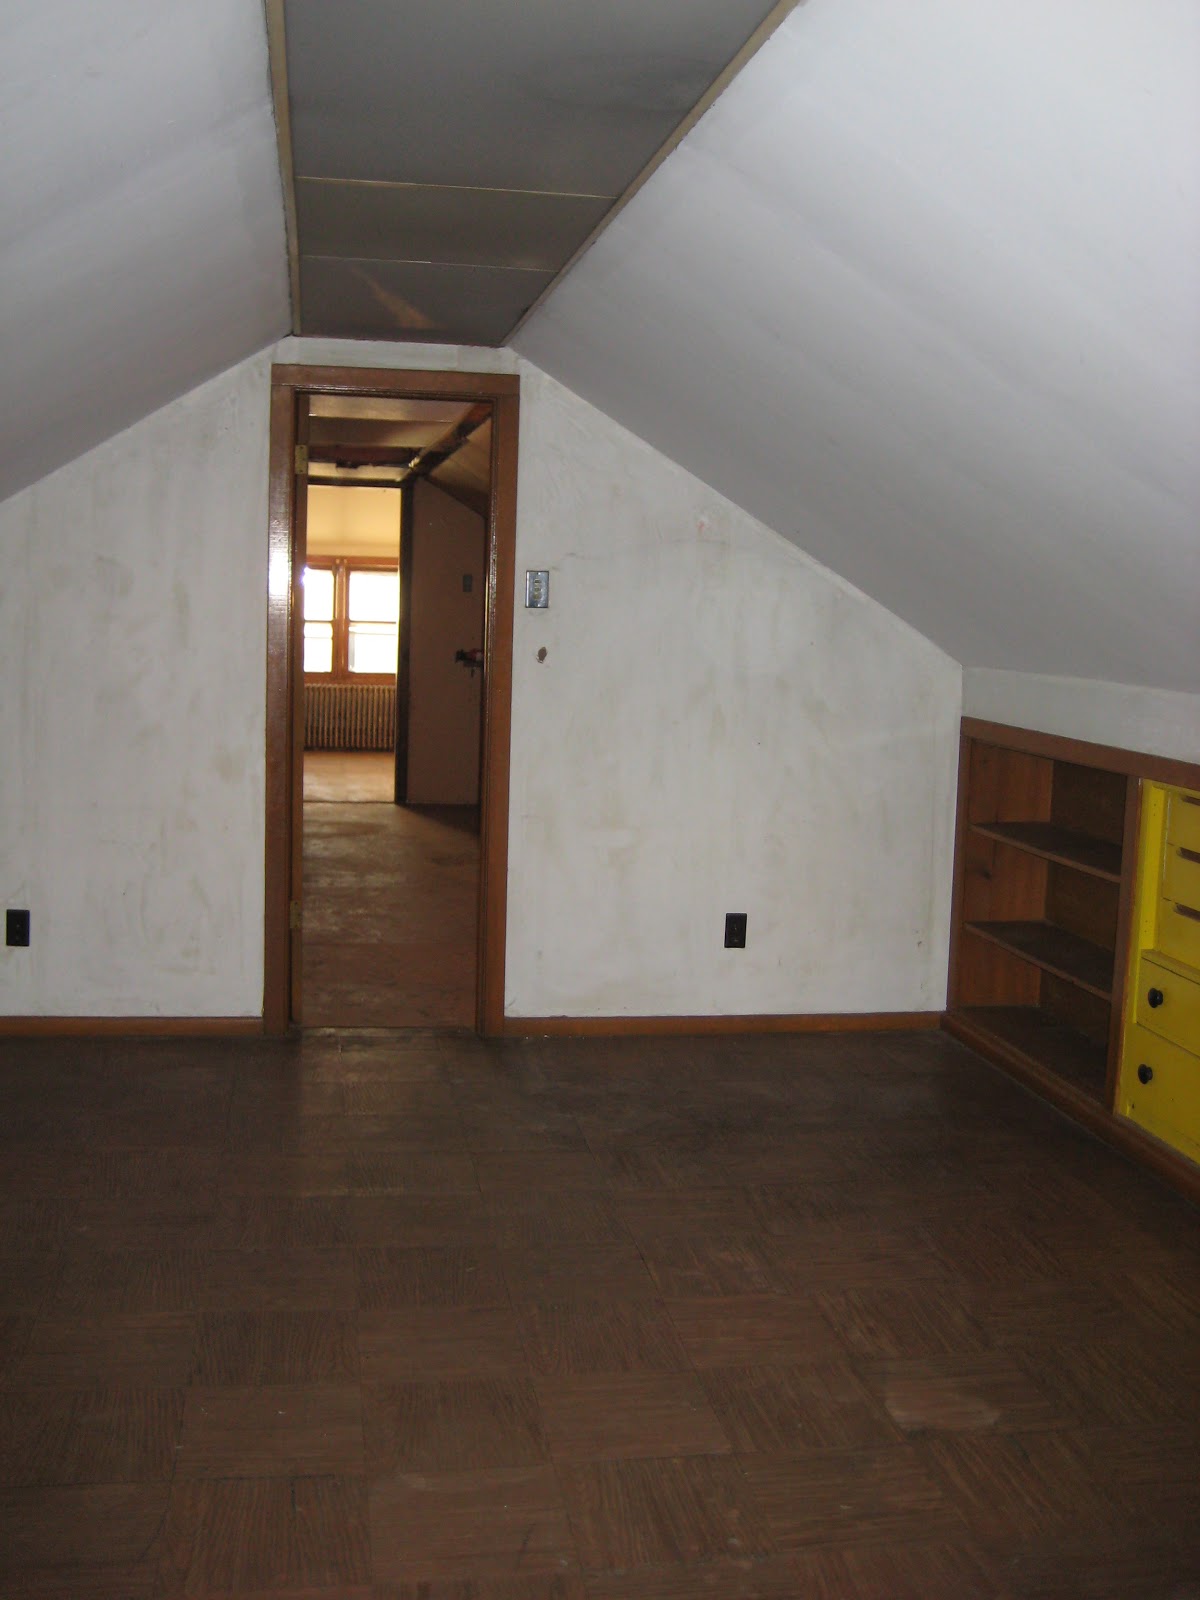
column 1179, row 908
column 1167, row 1104
column 1183, row 820
column 1168, row 1004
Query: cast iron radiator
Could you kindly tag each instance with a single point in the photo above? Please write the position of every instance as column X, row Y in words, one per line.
column 349, row 716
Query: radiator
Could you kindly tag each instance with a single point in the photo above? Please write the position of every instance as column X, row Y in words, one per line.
column 349, row 716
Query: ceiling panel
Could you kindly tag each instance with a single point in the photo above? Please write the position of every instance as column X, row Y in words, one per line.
column 468, row 227
column 571, row 96
column 429, row 146
column 413, row 300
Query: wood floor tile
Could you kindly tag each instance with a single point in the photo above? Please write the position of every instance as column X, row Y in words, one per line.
column 654, row 1513
column 35, row 1227
column 130, row 1283
column 276, row 1280
column 1121, row 1380
column 1019, row 1487
column 517, row 1173
column 306, row 1536
column 652, row 1168
column 545, row 1586
column 272, row 1432
column 394, row 1278
column 613, row 1416
column 469, row 1525
column 692, row 1214
column 962, row 1394
column 420, row 1342
column 285, row 1222
column 574, row 1217
column 577, row 1272
column 28, row 1285
column 784, row 1409
column 852, row 1253
column 749, row 1330
column 44, row 1533
column 904, row 1322
column 601, row 1336
column 411, row 1220
column 59, row 1437
column 452, row 1425
column 14, row 1339
column 154, row 1352
column 895, row 1572
column 844, row 1497
column 686, row 1268
column 763, row 1578
column 401, row 1171
column 240, row 1349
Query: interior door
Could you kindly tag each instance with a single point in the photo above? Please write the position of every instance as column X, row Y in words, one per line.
column 299, row 548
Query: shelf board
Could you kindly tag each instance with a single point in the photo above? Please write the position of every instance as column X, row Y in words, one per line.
column 1055, row 950
column 1055, row 843
column 1040, row 1040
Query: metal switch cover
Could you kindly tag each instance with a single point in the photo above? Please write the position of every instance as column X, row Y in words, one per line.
column 537, row 590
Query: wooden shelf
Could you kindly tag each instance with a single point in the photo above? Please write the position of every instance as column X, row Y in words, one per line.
column 1055, row 843
column 1055, row 950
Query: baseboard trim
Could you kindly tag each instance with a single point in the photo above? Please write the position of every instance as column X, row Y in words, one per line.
column 129, row 1027
column 828, row 1022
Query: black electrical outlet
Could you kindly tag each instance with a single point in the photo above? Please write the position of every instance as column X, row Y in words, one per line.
column 735, row 930
column 16, row 927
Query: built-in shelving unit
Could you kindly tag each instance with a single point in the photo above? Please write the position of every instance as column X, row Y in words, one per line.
column 1045, row 864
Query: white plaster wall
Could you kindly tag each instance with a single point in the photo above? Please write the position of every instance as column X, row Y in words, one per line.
column 719, row 725
column 133, row 614
column 1159, row 721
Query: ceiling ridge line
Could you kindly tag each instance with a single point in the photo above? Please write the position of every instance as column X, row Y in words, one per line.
column 423, row 261
column 452, row 188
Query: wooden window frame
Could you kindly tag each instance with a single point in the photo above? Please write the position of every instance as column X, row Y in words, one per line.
column 341, row 567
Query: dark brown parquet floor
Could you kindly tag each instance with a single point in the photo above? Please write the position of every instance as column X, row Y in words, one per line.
column 389, row 1316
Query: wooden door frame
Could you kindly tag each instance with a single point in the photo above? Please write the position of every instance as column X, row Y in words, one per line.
column 284, row 815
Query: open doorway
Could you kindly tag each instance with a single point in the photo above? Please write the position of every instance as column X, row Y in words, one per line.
column 393, row 508
column 393, row 586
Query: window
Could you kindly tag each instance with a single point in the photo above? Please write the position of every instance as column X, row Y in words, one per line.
column 351, row 619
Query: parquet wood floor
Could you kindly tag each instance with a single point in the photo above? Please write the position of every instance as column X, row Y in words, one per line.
column 370, row 1315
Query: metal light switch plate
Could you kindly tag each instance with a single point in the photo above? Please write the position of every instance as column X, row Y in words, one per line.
column 537, row 590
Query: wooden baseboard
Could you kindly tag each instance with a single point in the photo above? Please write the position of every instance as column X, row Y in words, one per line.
column 617, row 1027
column 128, row 1027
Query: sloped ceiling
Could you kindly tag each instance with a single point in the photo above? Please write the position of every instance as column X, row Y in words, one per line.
column 921, row 291
column 142, row 243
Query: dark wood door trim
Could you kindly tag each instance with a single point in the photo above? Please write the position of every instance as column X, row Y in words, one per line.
column 404, row 652
column 285, row 680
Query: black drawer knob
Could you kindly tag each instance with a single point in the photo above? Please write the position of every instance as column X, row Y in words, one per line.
column 1145, row 1073
column 1154, row 999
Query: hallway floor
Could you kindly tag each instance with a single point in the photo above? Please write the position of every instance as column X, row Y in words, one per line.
column 390, row 895
column 408, row 1316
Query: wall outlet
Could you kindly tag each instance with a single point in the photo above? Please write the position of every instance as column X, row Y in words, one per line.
column 16, row 928
column 735, row 930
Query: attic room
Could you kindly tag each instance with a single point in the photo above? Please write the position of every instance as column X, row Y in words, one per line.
column 796, row 1193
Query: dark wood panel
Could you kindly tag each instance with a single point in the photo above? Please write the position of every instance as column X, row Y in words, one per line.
column 1090, row 801
column 1046, row 1042
column 1083, row 905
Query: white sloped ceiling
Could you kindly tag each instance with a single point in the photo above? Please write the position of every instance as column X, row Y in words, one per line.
column 922, row 292
column 142, row 244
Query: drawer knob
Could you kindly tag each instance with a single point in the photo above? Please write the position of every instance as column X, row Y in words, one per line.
column 1145, row 1073
column 1154, row 999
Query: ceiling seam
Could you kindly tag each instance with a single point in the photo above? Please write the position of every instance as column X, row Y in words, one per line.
column 277, row 59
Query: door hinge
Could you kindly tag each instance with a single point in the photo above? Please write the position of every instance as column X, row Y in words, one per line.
column 302, row 461
column 293, row 914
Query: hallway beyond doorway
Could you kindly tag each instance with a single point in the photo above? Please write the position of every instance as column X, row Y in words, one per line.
column 390, row 902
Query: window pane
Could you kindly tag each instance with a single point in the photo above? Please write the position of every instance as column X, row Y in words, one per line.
column 318, row 647
column 373, row 647
column 374, row 597
column 318, row 595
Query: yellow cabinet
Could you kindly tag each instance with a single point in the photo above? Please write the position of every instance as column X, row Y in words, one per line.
column 1160, row 1062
